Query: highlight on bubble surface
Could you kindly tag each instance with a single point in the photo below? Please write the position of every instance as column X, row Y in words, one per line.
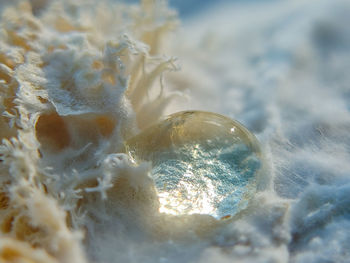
column 202, row 163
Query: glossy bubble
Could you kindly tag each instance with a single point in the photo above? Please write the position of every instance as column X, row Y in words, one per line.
column 202, row 163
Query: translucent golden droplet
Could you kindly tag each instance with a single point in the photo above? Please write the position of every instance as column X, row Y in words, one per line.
column 202, row 163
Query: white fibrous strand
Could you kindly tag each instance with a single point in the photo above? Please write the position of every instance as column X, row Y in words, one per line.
column 77, row 78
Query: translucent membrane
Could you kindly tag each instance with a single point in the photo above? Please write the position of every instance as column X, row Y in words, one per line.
column 202, row 163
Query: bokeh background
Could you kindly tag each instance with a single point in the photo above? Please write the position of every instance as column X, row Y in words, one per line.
column 282, row 69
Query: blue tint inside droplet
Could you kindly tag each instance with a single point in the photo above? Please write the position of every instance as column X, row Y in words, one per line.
column 203, row 163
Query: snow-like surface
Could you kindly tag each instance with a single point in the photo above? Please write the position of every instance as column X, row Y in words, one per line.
column 78, row 80
column 282, row 69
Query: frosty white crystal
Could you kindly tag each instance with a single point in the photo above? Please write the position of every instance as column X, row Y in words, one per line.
column 73, row 80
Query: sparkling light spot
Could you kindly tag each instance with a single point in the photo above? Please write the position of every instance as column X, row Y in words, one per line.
column 202, row 163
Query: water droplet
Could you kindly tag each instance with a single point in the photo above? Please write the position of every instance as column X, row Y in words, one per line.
column 202, row 163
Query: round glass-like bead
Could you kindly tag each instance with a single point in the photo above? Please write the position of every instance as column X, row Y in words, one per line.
column 202, row 163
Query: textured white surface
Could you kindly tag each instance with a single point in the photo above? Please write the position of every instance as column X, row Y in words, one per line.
column 279, row 67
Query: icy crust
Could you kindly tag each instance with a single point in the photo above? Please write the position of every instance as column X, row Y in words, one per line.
column 76, row 80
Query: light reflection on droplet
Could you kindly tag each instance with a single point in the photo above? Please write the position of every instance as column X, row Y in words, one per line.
column 203, row 163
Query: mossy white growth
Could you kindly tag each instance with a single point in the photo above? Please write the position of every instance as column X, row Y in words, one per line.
column 76, row 80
